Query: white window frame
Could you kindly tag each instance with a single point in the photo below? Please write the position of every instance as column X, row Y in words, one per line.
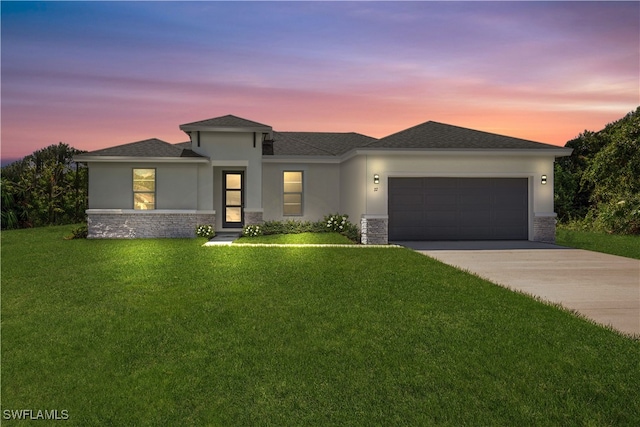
column 285, row 193
column 137, row 206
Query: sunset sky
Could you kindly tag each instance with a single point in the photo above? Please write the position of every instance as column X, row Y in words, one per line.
column 94, row 75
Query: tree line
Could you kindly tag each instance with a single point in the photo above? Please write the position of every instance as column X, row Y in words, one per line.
column 598, row 186
column 44, row 188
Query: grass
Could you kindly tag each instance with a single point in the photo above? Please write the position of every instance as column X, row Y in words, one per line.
column 302, row 238
column 614, row 244
column 167, row 332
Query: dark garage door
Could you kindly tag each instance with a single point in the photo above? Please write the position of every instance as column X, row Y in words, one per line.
column 458, row 209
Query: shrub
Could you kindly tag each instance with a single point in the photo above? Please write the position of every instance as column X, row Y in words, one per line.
column 290, row 227
column 252, row 231
column 331, row 223
column 80, row 232
column 620, row 217
column 205, row 231
column 340, row 224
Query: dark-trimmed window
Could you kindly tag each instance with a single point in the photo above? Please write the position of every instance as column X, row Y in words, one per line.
column 144, row 189
column 292, row 193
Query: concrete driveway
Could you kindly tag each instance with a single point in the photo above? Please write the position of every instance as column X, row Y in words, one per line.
column 604, row 288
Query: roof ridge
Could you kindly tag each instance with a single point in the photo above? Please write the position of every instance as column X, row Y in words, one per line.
column 486, row 132
column 227, row 116
column 433, row 134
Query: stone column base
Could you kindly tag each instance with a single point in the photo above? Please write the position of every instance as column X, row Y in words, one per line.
column 544, row 227
column 253, row 217
column 374, row 229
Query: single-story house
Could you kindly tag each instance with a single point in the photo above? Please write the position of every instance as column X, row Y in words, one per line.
column 432, row 181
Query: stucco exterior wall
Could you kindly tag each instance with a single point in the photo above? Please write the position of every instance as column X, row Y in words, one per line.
column 321, row 190
column 111, row 185
column 353, row 174
column 230, row 150
column 205, row 187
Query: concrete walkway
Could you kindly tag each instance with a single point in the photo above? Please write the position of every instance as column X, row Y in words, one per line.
column 604, row 288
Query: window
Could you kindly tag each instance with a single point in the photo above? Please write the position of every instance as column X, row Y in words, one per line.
column 292, row 194
column 144, row 189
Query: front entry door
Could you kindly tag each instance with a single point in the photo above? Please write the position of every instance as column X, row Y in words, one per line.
column 233, row 199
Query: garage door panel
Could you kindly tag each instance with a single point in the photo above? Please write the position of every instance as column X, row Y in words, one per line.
column 407, row 183
column 408, row 200
column 435, row 200
column 510, row 215
column 474, row 233
column 437, row 183
column 409, row 217
column 409, row 233
column 510, row 201
column 474, row 219
column 436, row 233
column 474, row 201
column 439, row 217
column 458, row 208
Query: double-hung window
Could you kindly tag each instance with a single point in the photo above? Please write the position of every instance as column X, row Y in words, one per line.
column 292, row 193
column 144, row 189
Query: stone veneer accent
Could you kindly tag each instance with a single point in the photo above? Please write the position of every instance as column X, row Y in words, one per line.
column 130, row 224
column 544, row 228
column 253, row 217
column 374, row 230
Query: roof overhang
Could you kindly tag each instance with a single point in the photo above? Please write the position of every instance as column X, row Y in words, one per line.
column 202, row 128
column 132, row 159
column 480, row 152
column 300, row 159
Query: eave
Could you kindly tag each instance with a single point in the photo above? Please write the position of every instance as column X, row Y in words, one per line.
column 248, row 129
column 479, row 152
column 132, row 159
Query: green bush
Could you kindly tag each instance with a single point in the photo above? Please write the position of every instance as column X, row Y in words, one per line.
column 207, row 231
column 252, row 231
column 331, row 223
column 340, row 224
column 621, row 217
column 80, row 232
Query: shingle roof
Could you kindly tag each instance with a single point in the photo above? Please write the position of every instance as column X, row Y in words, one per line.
column 428, row 135
column 436, row 135
column 148, row 148
column 317, row 143
column 228, row 121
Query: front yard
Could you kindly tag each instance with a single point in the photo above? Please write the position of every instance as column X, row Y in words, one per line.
column 614, row 244
column 167, row 332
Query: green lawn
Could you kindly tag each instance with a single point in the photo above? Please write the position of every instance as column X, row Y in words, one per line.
column 167, row 332
column 615, row 244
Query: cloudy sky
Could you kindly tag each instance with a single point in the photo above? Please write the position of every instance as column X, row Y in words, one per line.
column 100, row 74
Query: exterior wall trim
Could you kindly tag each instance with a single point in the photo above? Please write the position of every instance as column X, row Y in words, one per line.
column 480, row 152
column 149, row 211
column 301, row 159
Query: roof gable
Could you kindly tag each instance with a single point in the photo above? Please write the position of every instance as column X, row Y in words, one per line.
column 434, row 135
column 147, row 148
